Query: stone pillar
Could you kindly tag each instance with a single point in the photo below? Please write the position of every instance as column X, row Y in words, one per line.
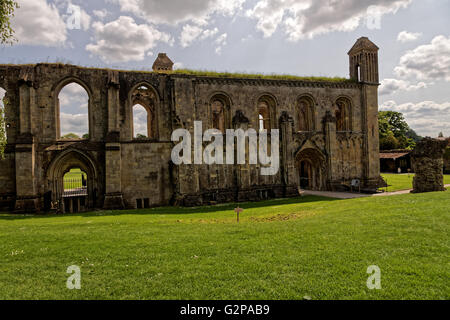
column 27, row 199
column 287, row 161
column 329, row 122
column 428, row 164
column 371, row 147
column 113, row 154
column 242, row 172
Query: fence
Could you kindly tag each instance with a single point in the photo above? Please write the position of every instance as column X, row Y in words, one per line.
column 75, row 187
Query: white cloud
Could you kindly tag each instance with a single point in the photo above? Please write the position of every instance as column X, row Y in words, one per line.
column 178, row 65
column 101, row 14
column 123, row 40
column 307, row 19
column 427, row 62
column 73, row 103
column 190, row 33
column 406, row 36
column 391, row 86
column 221, row 41
column 85, row 20
column 176, row 11
column 139, row 120
column 428, row 118
column 74, row 123
column 38, row 22
column 73, row 96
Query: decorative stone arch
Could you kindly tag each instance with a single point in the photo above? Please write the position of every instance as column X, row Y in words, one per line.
column 63, row 163
column 151, row 104
column 56, row 90
column 219, row 111
column 311, row 169
column 305, row 113
column 344, row 113
column 267, row 105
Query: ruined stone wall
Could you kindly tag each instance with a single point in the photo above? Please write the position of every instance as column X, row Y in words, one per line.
column 193, row 97
column 129, row 173
column 145, row 173
column 428, row 162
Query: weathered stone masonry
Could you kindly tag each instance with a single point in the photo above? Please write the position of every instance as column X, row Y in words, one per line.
column 329, row 134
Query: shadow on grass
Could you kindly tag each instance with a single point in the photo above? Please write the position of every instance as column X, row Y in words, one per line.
column 175, row 210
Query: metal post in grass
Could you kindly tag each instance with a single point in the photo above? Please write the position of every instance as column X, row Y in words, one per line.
column 238, row 211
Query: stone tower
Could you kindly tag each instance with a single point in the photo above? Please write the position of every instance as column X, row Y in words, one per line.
column 163, row 63
column 364, row 61
column 364, row 69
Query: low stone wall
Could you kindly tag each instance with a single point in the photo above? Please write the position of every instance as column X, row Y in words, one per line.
column 428, row 163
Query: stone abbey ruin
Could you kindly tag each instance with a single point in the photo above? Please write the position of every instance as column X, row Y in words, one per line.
column 328, row 135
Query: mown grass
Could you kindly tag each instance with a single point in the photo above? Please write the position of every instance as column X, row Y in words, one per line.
column 73, row 179
column 283, row 249
column 205, row 73
column 399, row 182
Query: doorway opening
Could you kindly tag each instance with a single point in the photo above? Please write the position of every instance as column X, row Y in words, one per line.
column 75, row 194
column 305, row 175
column 311, row 170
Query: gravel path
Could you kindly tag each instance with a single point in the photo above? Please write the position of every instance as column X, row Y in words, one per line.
column 348, row 195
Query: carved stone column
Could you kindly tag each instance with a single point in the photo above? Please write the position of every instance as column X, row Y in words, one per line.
column 113, row 154
column 329, row 122
column 27, row 199
column 242, row 171
column 287, row 161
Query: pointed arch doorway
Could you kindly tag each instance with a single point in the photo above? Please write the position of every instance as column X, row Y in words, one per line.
column 69, row 193
column 311, row 170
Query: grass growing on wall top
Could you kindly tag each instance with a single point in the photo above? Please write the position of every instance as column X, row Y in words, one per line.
column 204, row 73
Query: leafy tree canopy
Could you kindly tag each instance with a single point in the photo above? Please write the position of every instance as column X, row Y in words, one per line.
column 395, row 132
column 70, row 136
column 7, row 8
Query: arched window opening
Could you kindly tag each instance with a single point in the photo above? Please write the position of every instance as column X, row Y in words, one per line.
column 358, row 73
column 144, row 103
column 264, row 116
column 3, row 125
column 75, row 192
column 141, row 122
column 343, row 115
column 261, row 122
column 73, row 112
column 218, row 115
column 305, row 113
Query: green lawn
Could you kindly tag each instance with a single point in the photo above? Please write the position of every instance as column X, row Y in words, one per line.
column 398, row 182
column 283, row 249
column 72, row 179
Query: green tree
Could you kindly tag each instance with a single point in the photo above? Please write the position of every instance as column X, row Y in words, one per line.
column 7, row 8
column 86, row 136
column 141, row 136
column 395, row 132
column 70, row 136
column 441, row 134
column 413, row 135
column 389, row 142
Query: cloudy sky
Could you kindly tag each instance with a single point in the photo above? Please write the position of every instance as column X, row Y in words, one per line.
column 301, row 37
